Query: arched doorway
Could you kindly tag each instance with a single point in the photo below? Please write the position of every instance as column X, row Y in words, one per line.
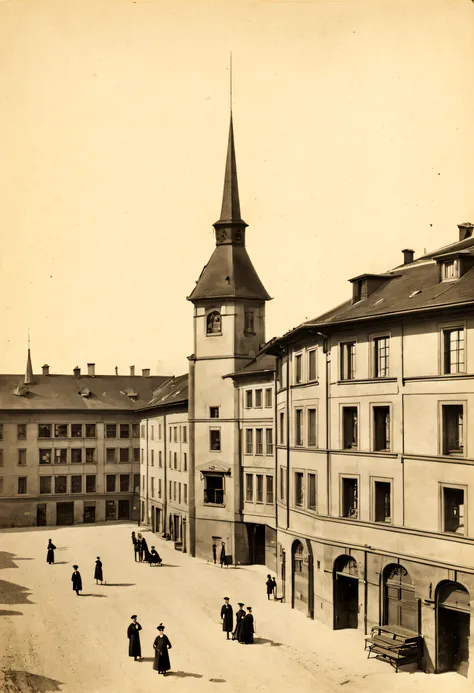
column 400, row 605
column 453, row 616
column 345, row 593
column 300, row 578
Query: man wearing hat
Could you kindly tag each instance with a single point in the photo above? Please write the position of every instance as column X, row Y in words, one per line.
column 161, row 663
column 98, row 573
column 239, row 616
column 227, row 616
column 76, row 580
column 133, row 634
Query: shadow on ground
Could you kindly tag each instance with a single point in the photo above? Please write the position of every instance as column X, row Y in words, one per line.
column 7, row 560
column 10, row 593
column 104, row 596
column 10, row 613
column 119, row 584
column 184, row 675
column 266, row 641
column 24, row 682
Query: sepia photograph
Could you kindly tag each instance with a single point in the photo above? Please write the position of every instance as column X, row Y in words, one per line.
column 237, row 346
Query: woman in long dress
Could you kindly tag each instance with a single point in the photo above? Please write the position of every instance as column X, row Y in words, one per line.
column 161, row 647
column 50, row 554
column 146, row 552
column 239, row 616
column 247, row 628
column 133, row 635
column 98, row 574
column 76, row 580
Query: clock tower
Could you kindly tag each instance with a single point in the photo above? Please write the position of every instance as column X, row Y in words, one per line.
column 229, row 329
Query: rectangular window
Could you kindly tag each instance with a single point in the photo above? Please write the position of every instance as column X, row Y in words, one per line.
column 1, row 485
column 60, row 431
column 453, row 429
column 258, row 399
column 269, row 480
column 152, row 486
column 248, row 441
column 45, row 430
column 268, row 397
column 110, row 430
column 60, row 484
column 91, row 431
column 175, row 460
column 160, row 432
column 171, row 490
column 110, row 454
column 171, row 433
column 269, row 441
column 174, row 490
column 298, row 427
column 453, row 510
column 135, row 430
column 125, row 455
column 136, row 454
column 110, row 483
column 312, row 428
column 214, row 412
column 259, row 488
column 90, row 455
column 381, row 428
column 1, row 431
column 160, row 458
column 282, row 483
column 298, row 368
column 76, row 455
column 299, row 493
column 249, row 488
column 214, row 489
column 259, row 441
column 185, row 461
column 350, row 498
column 215, row 439
column 453, row 348
column 282, row 428
column 142, row 430
column 185, row 429
column 152, row 458
column 311, row 491
column 249, row 322
column 179, row 493
column 159, row 488
column 171, row 460
column 21, row 432
column 381, row 354
column 152, row 433
column 124, row 483
column 350, row 428
column 249, row 399
column 175, row 434
column 45, row 484
column 60, row 456
column 136, row 483
column 125, row 430
column 185, row 493
column 76, row 430
column 312, row 363
column 383, row 501
column 76, row 484
column 22, row 457
column 450, row 270
column 347, row 360
column 1, row 457
column 45, row 456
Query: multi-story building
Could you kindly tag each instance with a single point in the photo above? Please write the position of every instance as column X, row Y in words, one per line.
column 375, row 458
column 70, row 447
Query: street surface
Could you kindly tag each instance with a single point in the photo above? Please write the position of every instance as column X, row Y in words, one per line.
column 52, row 640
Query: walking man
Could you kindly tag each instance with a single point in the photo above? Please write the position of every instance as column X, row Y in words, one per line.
column 214, row 553
column 133, row 634
column 274, row 590
column 239, row 616
column 76, row 580
column 247, row 628
column 227, row 616
column 222, row 556
column 269, row 584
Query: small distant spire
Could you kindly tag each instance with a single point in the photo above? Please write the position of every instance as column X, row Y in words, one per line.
column 29, row 367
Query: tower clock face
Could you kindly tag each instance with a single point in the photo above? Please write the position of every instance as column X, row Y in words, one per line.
column 221, row 236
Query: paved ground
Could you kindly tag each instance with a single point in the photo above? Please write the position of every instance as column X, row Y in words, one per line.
column 51, row 640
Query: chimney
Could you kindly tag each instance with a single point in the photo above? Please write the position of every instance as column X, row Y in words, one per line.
column 116, row 370
column 77, row 372
column 408, row 256
column 146, row 372
column 91, row 370
column 132, row 370
column 465, row 230
column 45, row 369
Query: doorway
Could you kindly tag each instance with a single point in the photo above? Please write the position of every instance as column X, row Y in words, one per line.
column 176, row 533
column 41, row 515
column 89, row 514
column 124, row 510
column 157, row 520
column 256, row 542
column 400, row 603
column 453, row 616
column 345, row 593
column 65, row 513
column 110, row 510
column 300, row 578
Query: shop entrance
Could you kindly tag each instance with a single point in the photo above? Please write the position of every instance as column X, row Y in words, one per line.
column 345, row 593
column 453, row 616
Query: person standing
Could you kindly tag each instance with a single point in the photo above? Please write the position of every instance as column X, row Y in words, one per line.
column 133, row 635
column 274, row 588
column 222, row 556
column 98, row 574
column 269, row 584
column 76, row 580
column 214, row 553
column 145, row 552
column 136, row 546
column 161, row 646
column 227, row 616
column 50, row 554
column 247, row 628
column 239, row 616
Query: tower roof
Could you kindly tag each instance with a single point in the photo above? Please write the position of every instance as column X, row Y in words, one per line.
column 29, row 370
column 230, row 211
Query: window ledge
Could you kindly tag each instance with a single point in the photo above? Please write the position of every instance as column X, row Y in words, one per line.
column 214, row 505
column 360, row 381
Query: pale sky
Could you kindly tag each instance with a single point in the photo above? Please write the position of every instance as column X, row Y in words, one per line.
column 354, row 138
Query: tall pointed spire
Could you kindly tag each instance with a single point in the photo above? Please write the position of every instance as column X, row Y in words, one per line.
column 29, row 369
column 230, row 212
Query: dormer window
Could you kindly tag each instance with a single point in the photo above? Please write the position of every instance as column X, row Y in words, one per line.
column 214, row 324
column 450, row 270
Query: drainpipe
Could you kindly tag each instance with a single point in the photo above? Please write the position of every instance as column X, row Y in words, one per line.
column 275, row 442
column 366, row 592
column 191, row 463
column 403, row 422
column 287, row 438
column 146, row 492
column 165, row 476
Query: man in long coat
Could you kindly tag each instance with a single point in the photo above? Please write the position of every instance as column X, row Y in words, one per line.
column 133, row 634
column 246, row 628
column 222, row 556
column 227, row 616
column 50, row 554
column 76, row 580
column 239, row 616
column 161, row 663
column 98, row 573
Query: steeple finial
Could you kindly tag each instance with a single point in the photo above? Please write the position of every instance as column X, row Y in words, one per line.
column 230, row 84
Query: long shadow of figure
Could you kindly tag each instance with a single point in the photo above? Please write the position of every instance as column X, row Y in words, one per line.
column 103, row 596
column 3, row 612
column 24, row 681
column 265, row 641
column 10, row 593
column 119, row 584
column 184, row 675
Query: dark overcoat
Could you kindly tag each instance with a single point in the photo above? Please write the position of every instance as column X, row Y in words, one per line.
column 76, row 581
column 222, row 557
column 269, row 584
column 98, row 574
column 246, row 629
column 50, row 556
column 239, row 616
column 133, row 635
column 227, row 616
column 162, row 658
column 146, row 553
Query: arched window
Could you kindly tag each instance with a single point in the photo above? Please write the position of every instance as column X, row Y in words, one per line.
column 214, row 325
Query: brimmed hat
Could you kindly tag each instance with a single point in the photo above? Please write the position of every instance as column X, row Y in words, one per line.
column 160, row 627
column 134, row 616
column 226, row 599
column 241, row 604
column 75, row 566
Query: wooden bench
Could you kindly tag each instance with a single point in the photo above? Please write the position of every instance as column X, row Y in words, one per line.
column 394, row 645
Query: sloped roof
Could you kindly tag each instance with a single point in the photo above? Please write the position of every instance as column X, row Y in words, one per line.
column 229, row 274
column 263, row 363
column 62, row 392
column 174, row 391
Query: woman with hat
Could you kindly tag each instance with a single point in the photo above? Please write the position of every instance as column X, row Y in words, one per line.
column 246, row 628
column 239, row 616
column 98, row 574
column 76, row 580
column 161, row 646
column 133, row 634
